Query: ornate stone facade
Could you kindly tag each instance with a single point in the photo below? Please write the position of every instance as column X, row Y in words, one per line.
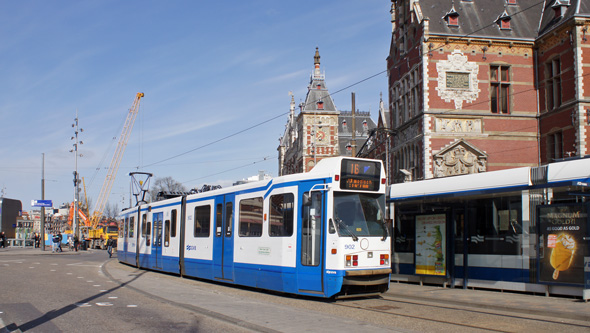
column 448, row 125
column 457, row 79
column 459, row 158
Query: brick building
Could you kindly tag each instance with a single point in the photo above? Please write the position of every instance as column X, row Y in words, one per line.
column 319, row 130
column 480, row 85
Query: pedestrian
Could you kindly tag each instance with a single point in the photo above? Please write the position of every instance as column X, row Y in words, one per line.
column 3, row 239
column 54, row 241
column 59, row 237
column 36, row 238
column 110, row 246
column 76, row 243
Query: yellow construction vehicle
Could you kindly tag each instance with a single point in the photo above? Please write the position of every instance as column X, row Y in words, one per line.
column 99, row 230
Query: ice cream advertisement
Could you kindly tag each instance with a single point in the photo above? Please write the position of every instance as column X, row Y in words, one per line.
column 561, row 255
column 431, row 244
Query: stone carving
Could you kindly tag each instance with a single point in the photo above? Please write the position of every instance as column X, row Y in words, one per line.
column 458, row 125
column 459, row 158
column 457, row 79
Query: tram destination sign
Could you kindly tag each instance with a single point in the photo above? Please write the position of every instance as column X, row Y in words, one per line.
column 360, row 175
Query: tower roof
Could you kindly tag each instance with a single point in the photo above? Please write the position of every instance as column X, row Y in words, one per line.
column 318, row 99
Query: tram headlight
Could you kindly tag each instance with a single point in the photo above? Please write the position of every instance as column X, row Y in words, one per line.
column 384, row 259
column 348, row 260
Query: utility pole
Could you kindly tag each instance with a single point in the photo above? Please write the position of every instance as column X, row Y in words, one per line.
column 353, row 140
column 43, row 198
column 76, row 225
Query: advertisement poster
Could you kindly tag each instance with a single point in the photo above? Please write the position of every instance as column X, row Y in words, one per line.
column 431, row 244
column 561, row 255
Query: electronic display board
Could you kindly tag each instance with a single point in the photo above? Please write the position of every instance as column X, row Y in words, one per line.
column 360, row 175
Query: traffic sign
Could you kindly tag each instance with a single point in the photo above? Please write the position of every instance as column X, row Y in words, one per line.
column 41, row 203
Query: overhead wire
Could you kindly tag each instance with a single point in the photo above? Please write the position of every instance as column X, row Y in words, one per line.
column 336, row 92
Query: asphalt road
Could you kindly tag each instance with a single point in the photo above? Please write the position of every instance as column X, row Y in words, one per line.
column 70, row 293
column 88, row 292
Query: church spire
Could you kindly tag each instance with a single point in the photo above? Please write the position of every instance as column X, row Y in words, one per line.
column 316, row 62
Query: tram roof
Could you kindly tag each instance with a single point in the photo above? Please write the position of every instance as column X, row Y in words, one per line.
column 574, row 172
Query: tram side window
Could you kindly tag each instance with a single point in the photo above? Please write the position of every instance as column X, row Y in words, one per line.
column 131, row 226
column 202, row 221
column 173, row 226
column 281, row 215
column 229, row 209
column 148, row 232
column 123, row 230
column 218, row 219
column 167, row 233
column 143, row 225
column 311, row 227
column 251, row 217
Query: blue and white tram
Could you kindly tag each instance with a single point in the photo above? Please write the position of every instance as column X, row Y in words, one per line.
column 497, row 230
column 321, row 233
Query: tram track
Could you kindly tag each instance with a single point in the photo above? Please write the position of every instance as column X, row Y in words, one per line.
column 394, row 307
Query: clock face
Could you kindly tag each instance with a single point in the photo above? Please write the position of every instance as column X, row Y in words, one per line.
column 321, row 135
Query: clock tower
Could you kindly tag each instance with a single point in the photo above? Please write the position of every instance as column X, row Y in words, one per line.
column 316, row 127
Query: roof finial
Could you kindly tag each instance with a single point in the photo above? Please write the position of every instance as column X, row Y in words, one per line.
column 316, row 57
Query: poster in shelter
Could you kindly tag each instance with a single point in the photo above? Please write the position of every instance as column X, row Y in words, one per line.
column 561, row 255
column 431, row 244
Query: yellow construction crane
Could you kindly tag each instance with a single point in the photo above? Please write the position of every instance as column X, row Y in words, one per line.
column 105, row 191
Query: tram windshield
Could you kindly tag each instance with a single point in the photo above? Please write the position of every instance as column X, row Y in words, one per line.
column 359, row 214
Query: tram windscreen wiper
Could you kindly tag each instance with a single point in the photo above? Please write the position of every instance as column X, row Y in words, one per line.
column 385, row 230
column 345, row 227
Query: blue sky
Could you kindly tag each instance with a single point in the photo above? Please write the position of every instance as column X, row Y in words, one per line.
column 208, row 69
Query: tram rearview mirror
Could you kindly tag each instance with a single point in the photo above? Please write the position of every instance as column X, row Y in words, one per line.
column 306, row 200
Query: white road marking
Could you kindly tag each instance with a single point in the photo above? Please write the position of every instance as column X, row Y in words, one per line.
column 82, row 264
column 96, row 285
column 113, row 297
column 53, row 270
column 83, row 305
column 131, row 306
column 104, row 304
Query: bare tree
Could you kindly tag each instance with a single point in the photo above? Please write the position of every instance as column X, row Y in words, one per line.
column 111, row 210
column 165, row 184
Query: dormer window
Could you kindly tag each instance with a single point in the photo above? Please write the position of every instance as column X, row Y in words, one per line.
column 559, row 7
column 320, row 105
column 319, row 86
column 511, row 2
column 452, row 17
column 503, row 21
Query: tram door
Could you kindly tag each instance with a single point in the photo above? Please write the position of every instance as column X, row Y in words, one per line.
column 223, row 242
column 157, row 240
column 459, row 254
column 310, row 262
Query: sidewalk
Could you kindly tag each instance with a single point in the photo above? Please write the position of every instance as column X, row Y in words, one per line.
column 17, row 251
column 553, row 306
